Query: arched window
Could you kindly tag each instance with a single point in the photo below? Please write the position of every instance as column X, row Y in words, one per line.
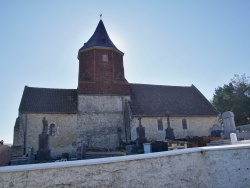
column 160, row 125
column 52, row 130
column 184, row 124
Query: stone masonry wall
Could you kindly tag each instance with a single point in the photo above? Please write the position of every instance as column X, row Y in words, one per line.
column 196, row 126
column 217, row 167
column 18, row 140
column 100, row 119
column 65, row 131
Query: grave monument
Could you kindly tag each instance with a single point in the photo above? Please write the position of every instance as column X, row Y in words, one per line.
column 228, row 123
column 169, row 130
column 43, row 153
column 140, row 130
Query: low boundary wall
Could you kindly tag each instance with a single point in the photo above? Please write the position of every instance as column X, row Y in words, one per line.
column 219, row 166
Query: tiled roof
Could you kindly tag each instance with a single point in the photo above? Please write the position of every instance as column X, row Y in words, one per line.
column 146, row 100
column 156, row 100
column 99, row 38
column 45, row 100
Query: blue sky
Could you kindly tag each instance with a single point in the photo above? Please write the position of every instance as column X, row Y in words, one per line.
column 165, row 42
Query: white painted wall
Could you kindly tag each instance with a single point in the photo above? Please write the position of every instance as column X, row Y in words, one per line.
column 221, row 166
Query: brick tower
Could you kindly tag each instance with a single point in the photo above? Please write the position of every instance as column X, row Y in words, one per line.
column 102, row 91
column 101, row 66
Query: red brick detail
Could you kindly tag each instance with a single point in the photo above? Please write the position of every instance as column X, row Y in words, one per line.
column 103, row 77
column 118, row 66
column 86, row 64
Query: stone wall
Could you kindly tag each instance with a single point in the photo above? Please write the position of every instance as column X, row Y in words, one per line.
column 65, row 132
column 221, row 166
column 100, row 122
column 230, row 167
column 196, row 126
column 18, row 141
column 100, row 118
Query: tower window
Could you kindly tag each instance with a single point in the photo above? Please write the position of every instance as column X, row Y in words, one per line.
column 105, row 57
column 52, row 130
column 103, row 40
column 160, row 125
column 184, row 124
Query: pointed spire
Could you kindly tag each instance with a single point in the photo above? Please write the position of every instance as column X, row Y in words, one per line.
column 99, row 38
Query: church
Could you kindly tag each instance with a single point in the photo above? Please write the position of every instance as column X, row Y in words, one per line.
column 104, row 109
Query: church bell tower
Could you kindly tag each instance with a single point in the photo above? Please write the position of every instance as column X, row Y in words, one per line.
column 102, row 92
column 101, row 68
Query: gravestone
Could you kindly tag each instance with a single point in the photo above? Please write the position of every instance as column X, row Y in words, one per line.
column 128, row 149
column 216, row 130
column 228, row 123
column 83, row 150
column 147, row 147
column 31, row 155
column 169, row 131
column 159, row 146
column 119, row 133
column 43, row 153
column 65, row 156
column 140, row 130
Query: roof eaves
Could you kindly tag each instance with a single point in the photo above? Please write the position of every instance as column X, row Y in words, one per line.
column 197, row 91
column 174, row 115
column 101, row 48
column 43, row 112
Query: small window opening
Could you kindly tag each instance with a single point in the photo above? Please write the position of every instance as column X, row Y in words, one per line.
column 105, row 57
column 160, row 125
column 184, row 124
column 103, row 40
column 52, row 130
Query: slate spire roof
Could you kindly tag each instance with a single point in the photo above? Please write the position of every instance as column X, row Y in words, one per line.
column 99, row 38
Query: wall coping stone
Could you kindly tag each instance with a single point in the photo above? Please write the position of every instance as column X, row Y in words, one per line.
column 78, row 163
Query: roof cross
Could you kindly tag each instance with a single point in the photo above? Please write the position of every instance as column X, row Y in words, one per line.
column 100, row 16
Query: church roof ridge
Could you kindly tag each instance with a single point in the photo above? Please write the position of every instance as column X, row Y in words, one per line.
column 31, row 87
column 160, row 85
column 99, row 38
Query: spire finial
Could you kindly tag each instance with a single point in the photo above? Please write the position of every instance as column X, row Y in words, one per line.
column 100, row 16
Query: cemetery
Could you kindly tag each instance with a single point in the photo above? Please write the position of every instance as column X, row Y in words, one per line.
column 218, row 160
column 220, row 135
column 214, row 166
column 104, row 133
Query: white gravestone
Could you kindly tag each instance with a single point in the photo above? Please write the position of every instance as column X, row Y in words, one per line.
column 228, row 123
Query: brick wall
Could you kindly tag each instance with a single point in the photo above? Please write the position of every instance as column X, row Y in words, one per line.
column 101, row 77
